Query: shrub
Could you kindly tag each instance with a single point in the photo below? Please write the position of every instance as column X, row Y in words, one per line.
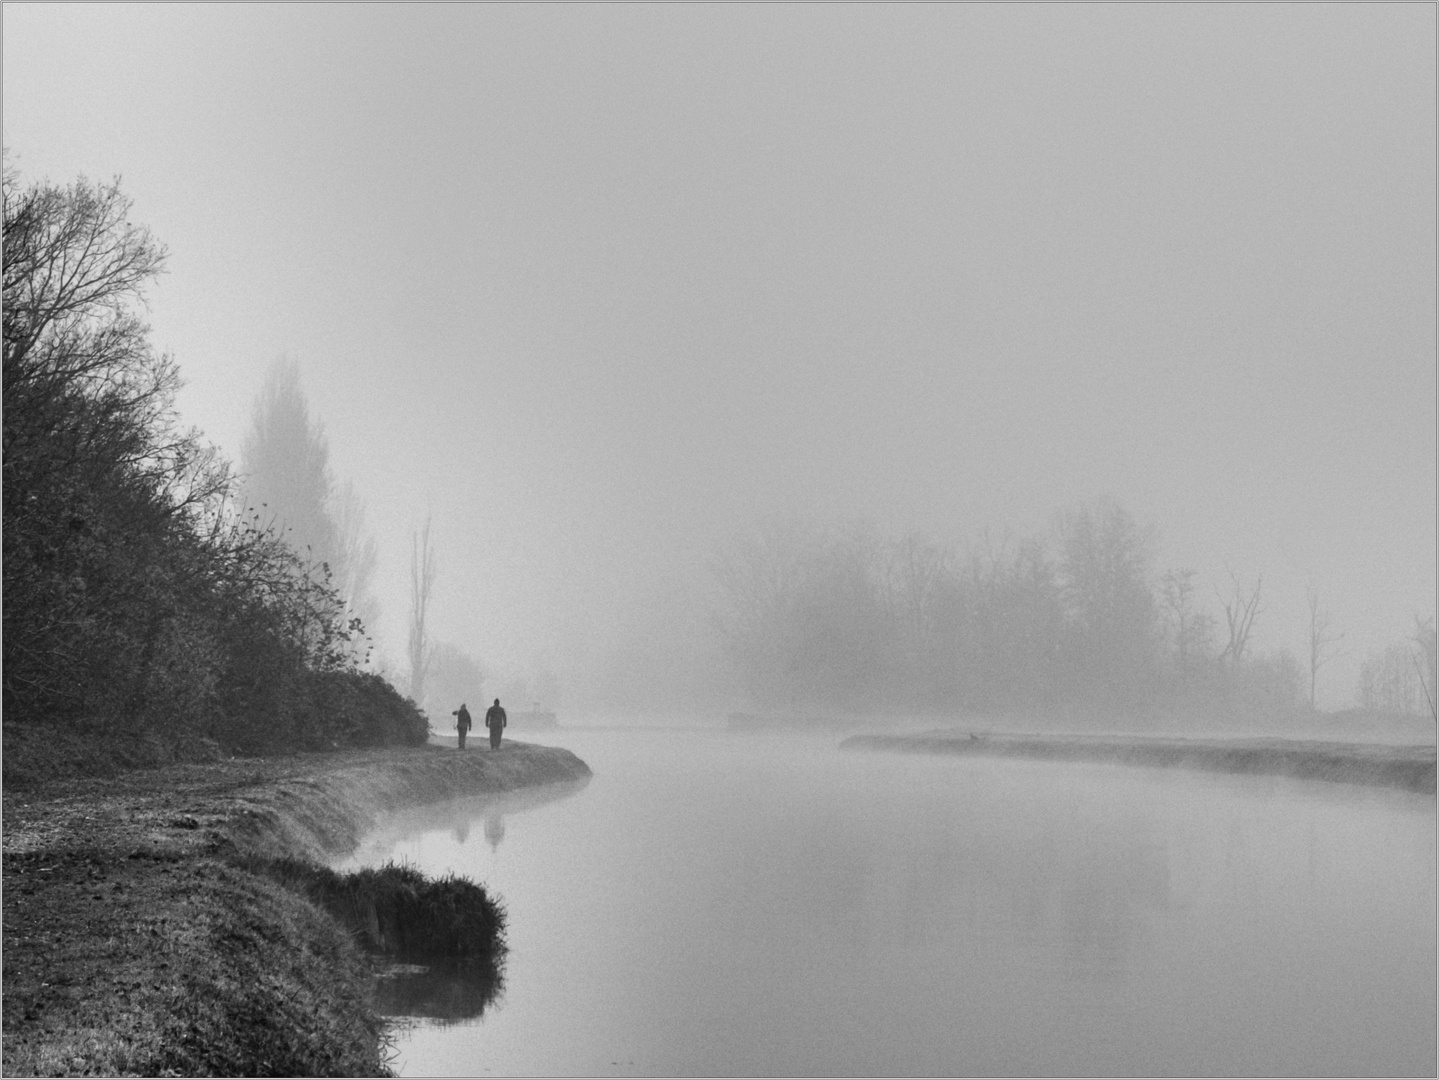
column 140, row 607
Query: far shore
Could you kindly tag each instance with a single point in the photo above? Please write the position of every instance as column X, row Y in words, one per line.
column 1410, row 768
column 142, row 936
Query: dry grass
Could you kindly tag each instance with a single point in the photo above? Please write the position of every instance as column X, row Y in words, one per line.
column 142, row 936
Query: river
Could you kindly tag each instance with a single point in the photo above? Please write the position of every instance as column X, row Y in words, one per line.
column 719, row 904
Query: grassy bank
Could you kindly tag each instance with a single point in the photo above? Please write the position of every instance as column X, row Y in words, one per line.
column 1407, row 767
column 147, row 931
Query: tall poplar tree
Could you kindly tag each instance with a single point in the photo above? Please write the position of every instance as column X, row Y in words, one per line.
column 285, row 459
column 285, row 462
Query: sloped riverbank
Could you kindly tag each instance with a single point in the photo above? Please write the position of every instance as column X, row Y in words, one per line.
column 143, row 936
column 1407, row 767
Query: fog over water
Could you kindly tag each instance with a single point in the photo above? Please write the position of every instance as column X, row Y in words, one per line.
column 711, row 904
column 768, row 373
column 598, row 286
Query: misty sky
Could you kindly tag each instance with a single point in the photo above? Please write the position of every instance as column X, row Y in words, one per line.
column 595, row 286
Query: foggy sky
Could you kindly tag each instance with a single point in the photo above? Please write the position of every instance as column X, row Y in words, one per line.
column 595, row 286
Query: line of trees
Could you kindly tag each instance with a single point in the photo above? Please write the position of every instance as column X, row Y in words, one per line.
column 140, row 598
column 846, row 618
column 1401, row 678
column 289, row 487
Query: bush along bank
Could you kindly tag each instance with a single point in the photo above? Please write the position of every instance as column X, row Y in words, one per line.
column 180, row 920
column 151, row 614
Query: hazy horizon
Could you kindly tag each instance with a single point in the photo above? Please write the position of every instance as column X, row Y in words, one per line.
column 598, row 286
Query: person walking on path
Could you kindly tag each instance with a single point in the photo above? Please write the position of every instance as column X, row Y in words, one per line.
column 462, row 722
column 495, row 720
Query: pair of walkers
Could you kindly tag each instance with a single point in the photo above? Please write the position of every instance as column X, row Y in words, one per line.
column 495, row 720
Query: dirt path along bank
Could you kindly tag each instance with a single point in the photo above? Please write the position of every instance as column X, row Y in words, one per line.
column 139, row 939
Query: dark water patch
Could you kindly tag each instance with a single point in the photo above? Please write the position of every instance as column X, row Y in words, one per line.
column 447, row 992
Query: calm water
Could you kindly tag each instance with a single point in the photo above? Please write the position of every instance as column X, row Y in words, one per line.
column 720, row 904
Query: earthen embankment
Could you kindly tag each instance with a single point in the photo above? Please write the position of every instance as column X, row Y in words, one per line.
column 140, row 939
column 1410, row 768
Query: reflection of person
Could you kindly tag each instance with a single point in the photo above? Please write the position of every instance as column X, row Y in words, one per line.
column 495, row 720
column 462, row 722
column 495, row 829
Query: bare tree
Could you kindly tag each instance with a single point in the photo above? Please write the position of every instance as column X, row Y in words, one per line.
column 1323, row 641
column 422, row 582
column 74, row 268
column 1240, row 613
column 1104, row 569
column 1390, row 681
column 915, row 569
column 1191, row 629
column 916, row 574
column 1427, row 662
column 356, row 555
column 760, row 574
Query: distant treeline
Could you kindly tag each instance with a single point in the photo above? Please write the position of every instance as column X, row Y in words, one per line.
column 1073, row 620
column 138, row 600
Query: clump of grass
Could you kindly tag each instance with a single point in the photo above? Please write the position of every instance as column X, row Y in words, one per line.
column 396, row 911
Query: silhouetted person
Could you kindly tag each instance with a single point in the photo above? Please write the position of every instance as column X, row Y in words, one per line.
column 462, row 722
column 495, row 720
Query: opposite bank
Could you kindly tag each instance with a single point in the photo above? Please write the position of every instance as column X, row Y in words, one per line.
column 1410, row 768
column 140, row 939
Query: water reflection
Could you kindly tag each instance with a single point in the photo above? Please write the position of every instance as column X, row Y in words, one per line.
column 450, row 992
column 494, row 828
column 457, row 817
column 724, row 906
column 447, row 993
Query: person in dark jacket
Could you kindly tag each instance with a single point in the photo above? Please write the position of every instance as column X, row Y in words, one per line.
column 462, row 722
column 495, row 720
